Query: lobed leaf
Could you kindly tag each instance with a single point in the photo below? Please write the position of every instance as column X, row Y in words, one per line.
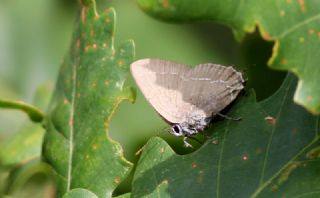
column 273, row 151
column 89, row 89
column 293, row 25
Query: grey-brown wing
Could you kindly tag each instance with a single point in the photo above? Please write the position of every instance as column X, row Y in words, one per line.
column 211, row 87
column 159, row 81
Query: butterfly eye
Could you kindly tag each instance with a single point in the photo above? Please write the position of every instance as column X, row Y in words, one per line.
column 176, row 130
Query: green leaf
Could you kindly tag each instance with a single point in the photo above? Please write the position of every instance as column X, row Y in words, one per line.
column 25, row 144
column 90, row 86
column 80, row 193
column 33, row 112
column 273, row 151
column 293, row 25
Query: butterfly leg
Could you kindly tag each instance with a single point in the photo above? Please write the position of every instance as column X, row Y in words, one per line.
column 186, row 144
column 228, row 118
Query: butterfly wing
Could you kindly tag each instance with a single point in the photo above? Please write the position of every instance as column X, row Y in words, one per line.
column 179, row 93
column 160, row 81
column 211, row 87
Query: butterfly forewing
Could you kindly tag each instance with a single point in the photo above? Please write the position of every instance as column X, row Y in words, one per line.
column 159, row 81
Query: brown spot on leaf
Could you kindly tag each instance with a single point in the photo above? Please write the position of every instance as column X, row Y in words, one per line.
column 285, row 174
column 289, row 1
column 91, row 32
column 274, row 188
column 311, row 31
column 162, row 150
column 215, row 141
column 165, row 3
column 258, row 150
column 165, row 181
column 106, row 124
column 302, row 5
column 83, row 14
column 284, row 61
column 94, row 147
column 266, row 35
column 108, row 20
column 282, row 13
column 245, row 157
column 71, row 122
column 104, row 45
column 200, row 171
column 318, row 34
column 94, row 46
column 117, row 180
column 120, row 62
column 314, row 153
column 65, row 101
column 94, row 84
column 87, row 157
column 193, row 165
column 107, row 82
column 86, row 48
column 199, row 179
column 309, row 98
column 78, row 43
column 271, row 120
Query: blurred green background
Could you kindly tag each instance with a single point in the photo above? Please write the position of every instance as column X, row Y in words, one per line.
column 35, row 35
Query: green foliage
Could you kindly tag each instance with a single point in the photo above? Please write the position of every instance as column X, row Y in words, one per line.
column 271, row 152
column 293, row 25
column 90, row 86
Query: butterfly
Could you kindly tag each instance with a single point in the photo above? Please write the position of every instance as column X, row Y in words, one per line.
column 187, row 98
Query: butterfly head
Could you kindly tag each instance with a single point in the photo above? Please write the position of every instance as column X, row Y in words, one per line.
column 176, row 130
column 189, row 128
